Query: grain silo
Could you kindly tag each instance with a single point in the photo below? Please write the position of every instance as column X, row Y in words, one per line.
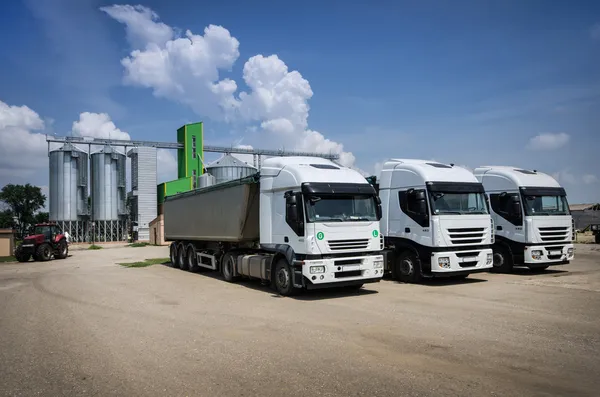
column 108, row 194
column 228, row 168
column 68, row 190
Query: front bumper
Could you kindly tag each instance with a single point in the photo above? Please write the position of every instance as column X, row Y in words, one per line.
column 27, row 247
column 461, row 262
column 342, row 271
column 549, row 254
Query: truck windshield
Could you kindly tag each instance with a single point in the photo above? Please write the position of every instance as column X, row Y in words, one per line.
column 545, row 205
column 457, row 203
column 336, row 208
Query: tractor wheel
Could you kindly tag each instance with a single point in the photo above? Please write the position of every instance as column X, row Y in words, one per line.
column 62, row 251
column 22, row 256
column 43, row 252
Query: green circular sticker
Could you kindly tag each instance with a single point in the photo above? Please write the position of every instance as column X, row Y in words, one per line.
column 320, row 235
column 375, row 233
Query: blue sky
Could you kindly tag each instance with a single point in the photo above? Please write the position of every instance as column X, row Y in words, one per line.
column 468, row 82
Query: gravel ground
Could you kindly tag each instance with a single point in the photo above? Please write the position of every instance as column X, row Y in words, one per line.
column 87, row 326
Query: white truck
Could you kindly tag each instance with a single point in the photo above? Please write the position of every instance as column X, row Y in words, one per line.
column 301, row 222
column 534, row 227
column 435, row 220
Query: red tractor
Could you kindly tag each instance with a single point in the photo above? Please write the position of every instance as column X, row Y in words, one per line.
column 45, row 242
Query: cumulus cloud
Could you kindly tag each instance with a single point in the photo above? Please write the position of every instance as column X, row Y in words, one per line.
column 97, row 125
column 166, row 165
column 549, row 141
column 187, row 70
column 23, row 149
column 570, row 178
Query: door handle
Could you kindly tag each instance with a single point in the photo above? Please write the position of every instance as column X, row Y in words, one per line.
column 407, row 230
column 286, row 239
column 498, row 227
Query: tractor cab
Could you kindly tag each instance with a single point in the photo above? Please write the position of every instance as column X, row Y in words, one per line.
column 48, row 230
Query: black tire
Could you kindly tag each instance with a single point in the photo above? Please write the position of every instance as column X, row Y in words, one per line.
column 22, row 256
column 597, row 238
column 181, row 259
column 62, row 251
column 43, row 252
column 227, row 264
column 409, row 268
column 503, row 261
column 192, row 259
column 173, row 255
column 283, row 279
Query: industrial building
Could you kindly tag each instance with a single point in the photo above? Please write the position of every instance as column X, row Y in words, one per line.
column 88, row 195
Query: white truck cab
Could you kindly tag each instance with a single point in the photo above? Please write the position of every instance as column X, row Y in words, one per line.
column 534, row 227
column 435, row 220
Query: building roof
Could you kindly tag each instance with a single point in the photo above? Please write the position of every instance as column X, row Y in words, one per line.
column 583, row 207
column 228, row 161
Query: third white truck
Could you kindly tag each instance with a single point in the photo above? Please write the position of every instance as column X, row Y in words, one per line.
column 534, row 227
column 435, row 220
column 302, row 222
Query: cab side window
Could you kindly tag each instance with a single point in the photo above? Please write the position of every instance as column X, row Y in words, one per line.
column 508, row 206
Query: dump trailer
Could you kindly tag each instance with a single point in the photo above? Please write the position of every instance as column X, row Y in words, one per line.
column 301, row 223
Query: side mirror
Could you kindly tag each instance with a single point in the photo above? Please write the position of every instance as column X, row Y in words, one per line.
column 422, row 206
column 419, row 196
column 515, row 208
column 291, row 207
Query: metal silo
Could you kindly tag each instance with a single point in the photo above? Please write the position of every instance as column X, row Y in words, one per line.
column 68, row 187
column 228, row 168
column 108, row 184
column 206, row 180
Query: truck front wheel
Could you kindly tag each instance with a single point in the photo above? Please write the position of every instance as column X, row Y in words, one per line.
column 283, row 279
column 502, row 260
column 597, row 238
column 408, row 268
column 227, row 266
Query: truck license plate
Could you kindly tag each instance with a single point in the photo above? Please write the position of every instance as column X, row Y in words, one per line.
column 554, row 252
column 469, row 259
column 350, row 268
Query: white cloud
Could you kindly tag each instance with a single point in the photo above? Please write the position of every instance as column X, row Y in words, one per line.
column 549, row 141
column 23, row 149
column 97, row 125
column 588, row 179
column 566, row 177
column 166, row 165
column 186, row 70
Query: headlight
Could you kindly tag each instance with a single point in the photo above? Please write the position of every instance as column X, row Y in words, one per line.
column 444, row 262
column 378, row 264
column 317, row 269
column 489, row 259
column 570, row 251
column 594, row 227
column 536, row 254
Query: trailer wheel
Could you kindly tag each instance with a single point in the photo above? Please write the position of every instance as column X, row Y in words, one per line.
column 192, row 259
column 181, row 259
column 227, row 266
column 173, row 255
column 283, row 278
column 502, row 260
column 408, row 268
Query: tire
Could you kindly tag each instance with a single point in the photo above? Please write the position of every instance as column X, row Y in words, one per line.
column 173, row 255
column 43, row 252
column 192, row 259
column 181, row 257
column 21, row 256
column 227, row 264
column 503, row 262
column 283, row 279
column 597, row 238
column 409, row 268
column 62, row 252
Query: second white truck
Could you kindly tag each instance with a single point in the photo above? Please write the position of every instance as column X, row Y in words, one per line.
column 302, row 222
column 435, row 220
column 534, row 227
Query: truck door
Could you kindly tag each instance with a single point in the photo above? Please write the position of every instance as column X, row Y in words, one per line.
column 508, row 211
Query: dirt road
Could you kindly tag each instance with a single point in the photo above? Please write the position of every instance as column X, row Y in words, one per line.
column 86, row 326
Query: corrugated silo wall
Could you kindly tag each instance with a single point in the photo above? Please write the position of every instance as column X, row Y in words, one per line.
column 64, row 189
column 146, row 189
column 107, row 196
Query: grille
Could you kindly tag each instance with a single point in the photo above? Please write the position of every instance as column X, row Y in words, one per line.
column 472, row 235
column 337, row 245
column 556, row 233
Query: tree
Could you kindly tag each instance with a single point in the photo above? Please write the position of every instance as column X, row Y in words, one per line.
column 41, row 217
column 23, row 201
column 7, row 220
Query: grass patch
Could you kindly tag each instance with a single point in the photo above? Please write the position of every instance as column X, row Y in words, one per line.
column 136, row 245
column 94, row 247
column 147, row 262
column 7, row 259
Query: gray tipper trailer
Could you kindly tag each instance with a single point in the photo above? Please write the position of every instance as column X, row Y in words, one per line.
column 274, row 227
